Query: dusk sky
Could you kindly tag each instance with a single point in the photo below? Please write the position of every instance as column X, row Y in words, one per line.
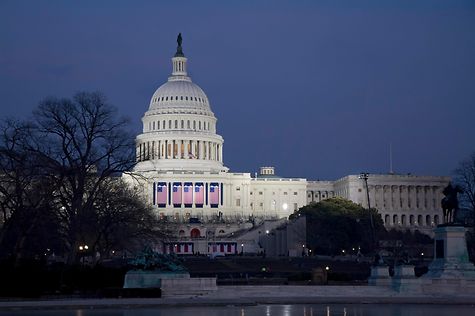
column 318, row 89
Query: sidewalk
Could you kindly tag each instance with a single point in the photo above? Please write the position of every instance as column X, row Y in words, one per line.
column 253, row 295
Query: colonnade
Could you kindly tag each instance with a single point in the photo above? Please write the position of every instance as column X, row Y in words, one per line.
column 403, row 197
column 180, row 149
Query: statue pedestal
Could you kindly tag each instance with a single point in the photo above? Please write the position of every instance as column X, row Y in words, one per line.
column 171, row 283
column 379, row 276
column 450, row 272
column 404, row 279
column 451, row 256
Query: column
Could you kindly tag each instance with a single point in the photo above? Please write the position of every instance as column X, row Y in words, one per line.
column 179, row 151
column 187, row 150
column 221, row 153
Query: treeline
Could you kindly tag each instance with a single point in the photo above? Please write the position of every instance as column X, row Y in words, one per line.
column 61, row 193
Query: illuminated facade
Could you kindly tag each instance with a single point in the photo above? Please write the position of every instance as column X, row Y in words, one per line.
column 182, row 174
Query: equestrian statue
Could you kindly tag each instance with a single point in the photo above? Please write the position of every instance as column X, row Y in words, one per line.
column 450, row 204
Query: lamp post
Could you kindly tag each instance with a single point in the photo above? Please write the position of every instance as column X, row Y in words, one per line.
column 82, row 250
column 364, row 176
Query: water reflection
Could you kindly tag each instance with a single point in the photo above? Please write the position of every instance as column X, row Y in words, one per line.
column 268, row 310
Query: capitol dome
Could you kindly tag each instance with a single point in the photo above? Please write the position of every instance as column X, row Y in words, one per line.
column 179, row 128
column 180, row 94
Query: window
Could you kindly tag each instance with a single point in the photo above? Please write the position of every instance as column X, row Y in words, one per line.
column 285, row 193
column 182, row 124
column 167, row 98
column 295, row 193
column 251, row 193
column 260, row 192
column 158, row 124
column 238, row 202
column 186, row 98
column 296, row 207
column 238, row 189
column 181, row 98
column 176, row 123
column 194, row 125
column 261, row 204
column 153, row 125
column 188, row 124
column 199, row 125
column 170, row 124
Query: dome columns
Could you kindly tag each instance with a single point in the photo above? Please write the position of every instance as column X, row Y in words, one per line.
column 180, row 149
column 179, row 66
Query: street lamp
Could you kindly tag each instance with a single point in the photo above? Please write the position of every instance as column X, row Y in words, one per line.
column 242, row 249
column 364, row 176
column 82, row 250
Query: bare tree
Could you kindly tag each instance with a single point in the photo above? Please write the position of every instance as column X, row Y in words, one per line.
column 83, row 144
column 65, row 162
column 25, row 192
column 123, row 220
column 465, row 176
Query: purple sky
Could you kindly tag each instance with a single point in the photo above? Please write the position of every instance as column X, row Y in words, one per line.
column 319, row 89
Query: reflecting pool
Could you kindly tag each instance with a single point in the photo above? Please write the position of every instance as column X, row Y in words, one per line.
column 265, row 310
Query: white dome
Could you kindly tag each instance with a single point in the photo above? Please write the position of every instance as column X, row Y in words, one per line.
column 179, row 94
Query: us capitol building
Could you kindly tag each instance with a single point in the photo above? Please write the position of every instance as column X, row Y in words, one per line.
column 181, row 173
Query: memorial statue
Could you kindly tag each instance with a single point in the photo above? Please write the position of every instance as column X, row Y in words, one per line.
column 450, row 203
column 151, row 260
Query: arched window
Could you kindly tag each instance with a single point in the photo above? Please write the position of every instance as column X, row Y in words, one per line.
column 194, row 125
column 182, row 124
column 169, row 124
column 411, row 220
column 419, row 220
column 195, row 233
column 158, row 124
column 428, row 223
column 153, row 125
column 386, row 219
column 395, row 220
column 199, row 125
column 181, row 233
column 188, row 124
column 403, row 220
column 436, row 219
column 176, row 123
column 186, row 98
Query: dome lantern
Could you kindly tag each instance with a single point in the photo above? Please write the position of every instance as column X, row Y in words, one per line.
column 179, row 60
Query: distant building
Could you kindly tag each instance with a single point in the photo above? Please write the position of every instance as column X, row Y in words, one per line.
column 180, row 170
